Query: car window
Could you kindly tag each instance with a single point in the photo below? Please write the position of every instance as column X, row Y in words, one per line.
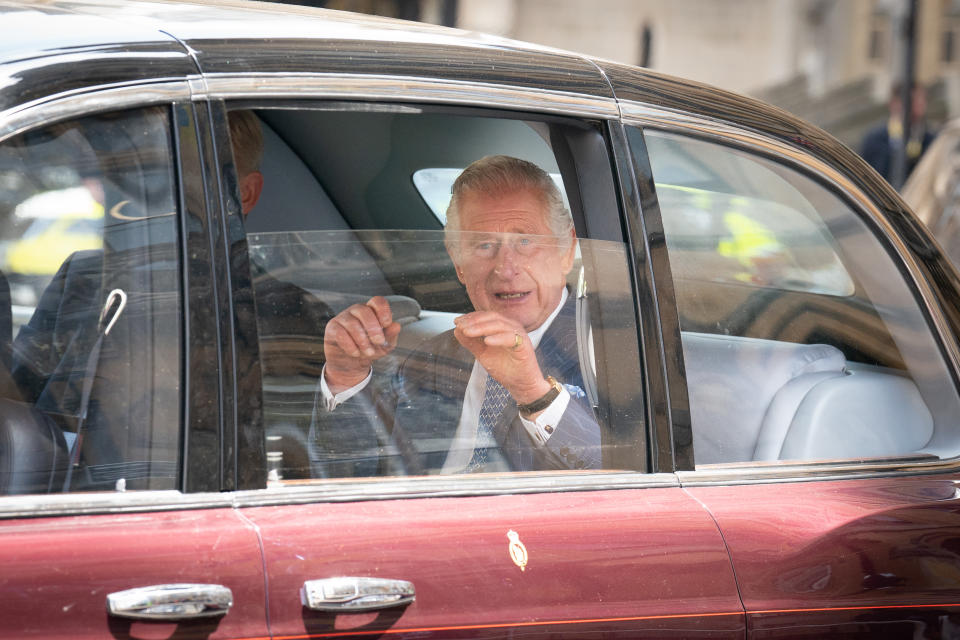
column 374, row 243
column 89, row 306
column 932, row 190
column 434, row 185
column 802, row 337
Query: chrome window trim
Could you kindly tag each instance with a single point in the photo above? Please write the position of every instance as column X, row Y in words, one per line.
column 93, row 99
column 406, row 89
column 321, row 491
column 761, row 473
column 669, row 121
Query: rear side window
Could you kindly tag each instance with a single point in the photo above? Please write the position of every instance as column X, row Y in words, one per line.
column 802, row 337
column 375, row 242
column 89, row 306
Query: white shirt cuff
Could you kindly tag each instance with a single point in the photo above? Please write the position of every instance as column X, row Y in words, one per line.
column 332, row 401
column 546, row 423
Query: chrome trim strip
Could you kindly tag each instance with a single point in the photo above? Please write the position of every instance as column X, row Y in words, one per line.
column 765, row 473
column 406, row 89
column 643, row 115
column 40, row 506
column 447, row 486
column 88, row 100
column 347, row 490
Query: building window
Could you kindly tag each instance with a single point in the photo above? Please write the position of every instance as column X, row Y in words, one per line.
column 878, row 41
column 949, row 42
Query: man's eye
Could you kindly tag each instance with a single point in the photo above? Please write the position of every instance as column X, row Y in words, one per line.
column 485, row 246
column 526, row 245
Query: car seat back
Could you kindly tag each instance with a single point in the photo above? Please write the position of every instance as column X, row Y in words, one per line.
column 742, row 391
column 33, row 452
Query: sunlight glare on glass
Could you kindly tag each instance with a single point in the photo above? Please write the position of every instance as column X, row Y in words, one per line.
column 434, row 186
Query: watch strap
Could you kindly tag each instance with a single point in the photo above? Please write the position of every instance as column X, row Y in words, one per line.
column 543, row 401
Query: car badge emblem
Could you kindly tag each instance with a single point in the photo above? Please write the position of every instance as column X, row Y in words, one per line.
column 518, row 552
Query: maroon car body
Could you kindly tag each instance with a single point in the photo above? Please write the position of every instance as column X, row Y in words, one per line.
column 769, row 341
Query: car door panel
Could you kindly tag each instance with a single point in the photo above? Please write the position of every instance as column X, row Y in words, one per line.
column 851, row 558
column 661, row 570
column 59, row 571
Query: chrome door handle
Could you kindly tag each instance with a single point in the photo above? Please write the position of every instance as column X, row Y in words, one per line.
column 355, row 594
column 171, row 602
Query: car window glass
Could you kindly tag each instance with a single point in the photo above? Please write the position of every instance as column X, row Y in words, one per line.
column 802, row 338
column 374, row 234
column 933, row 190
column 89, row 306
column 434, row 186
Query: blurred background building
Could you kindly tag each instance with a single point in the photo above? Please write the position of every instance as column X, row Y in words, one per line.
column 832, row 62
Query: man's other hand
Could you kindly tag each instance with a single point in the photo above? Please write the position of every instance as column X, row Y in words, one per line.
column 504, row 349
column 355, row 338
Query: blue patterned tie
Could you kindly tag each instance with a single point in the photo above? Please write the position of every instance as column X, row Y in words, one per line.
column 495, row 398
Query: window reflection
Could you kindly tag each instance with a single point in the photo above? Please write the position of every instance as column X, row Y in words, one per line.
column 802, row 339
column 407, row 417
column 90, row 324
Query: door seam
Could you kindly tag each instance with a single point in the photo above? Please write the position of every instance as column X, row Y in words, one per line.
column 733, row 568
column 263, row 563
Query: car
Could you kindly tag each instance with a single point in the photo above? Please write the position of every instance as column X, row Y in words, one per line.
column 767, row 339
column 931, row 188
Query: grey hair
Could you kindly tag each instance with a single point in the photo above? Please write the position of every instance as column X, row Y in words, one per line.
column 505, row 174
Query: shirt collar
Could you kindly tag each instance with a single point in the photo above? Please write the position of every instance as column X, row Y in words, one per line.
column 537, row 333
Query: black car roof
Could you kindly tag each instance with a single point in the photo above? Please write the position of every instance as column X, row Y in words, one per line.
column 148, row 40
column 55, row 48
column 322, row 40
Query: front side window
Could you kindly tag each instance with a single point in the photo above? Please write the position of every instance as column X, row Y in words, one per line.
column 430, row 338
column 802, row 337
column 89, row 306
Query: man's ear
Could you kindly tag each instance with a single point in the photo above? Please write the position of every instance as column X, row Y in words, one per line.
column 459, row 271
column 251, row 186
column 454, row 258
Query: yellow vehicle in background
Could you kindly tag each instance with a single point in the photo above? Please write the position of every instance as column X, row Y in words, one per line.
column 61, row 222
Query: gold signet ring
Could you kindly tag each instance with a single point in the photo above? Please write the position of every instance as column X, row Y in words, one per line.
column 517, row 341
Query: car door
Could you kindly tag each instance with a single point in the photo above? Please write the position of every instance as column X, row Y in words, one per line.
column 106, row 381
column 359, row 541
column 822, row 394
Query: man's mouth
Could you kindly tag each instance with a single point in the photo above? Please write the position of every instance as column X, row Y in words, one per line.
column 511, row 295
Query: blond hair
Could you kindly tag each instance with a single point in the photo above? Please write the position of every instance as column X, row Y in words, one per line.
column 246, row 138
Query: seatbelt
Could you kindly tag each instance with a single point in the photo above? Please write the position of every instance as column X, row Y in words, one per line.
column 585, row 340
column 117, row 298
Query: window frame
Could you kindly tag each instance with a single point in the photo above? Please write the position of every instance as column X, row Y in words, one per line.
column 470, row 99
column 643, row 118
column 200, row 434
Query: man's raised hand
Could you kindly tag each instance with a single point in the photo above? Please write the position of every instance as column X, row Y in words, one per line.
column 355, row 338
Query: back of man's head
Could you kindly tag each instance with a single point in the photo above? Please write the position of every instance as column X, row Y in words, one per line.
column 246, row 138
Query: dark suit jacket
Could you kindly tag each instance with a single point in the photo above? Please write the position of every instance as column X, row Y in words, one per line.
column 876, row 149
column 52, row 348
column 405, row 423
column 133, row 411
column 129, row 401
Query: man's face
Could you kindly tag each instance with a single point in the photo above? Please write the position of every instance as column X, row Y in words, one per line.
column 508, row 258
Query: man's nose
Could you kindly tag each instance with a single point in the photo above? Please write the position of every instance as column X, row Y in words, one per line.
column 507, row 261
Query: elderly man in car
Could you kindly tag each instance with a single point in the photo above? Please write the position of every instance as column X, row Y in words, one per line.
column 501, row 391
